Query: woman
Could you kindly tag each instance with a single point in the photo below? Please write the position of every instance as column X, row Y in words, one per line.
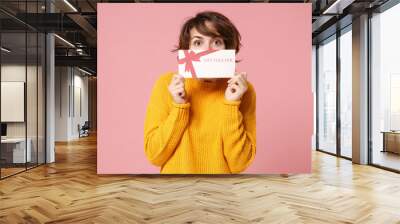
column 202, row 126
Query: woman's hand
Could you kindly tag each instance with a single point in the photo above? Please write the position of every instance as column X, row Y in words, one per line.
column 177, row 89
column 237, row 86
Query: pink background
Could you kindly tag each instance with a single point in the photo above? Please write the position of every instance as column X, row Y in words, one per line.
column 134, row 44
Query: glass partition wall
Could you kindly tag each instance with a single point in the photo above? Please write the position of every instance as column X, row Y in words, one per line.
column 22, row 88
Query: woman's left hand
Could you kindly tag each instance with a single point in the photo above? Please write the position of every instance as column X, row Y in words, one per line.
column 237, row 86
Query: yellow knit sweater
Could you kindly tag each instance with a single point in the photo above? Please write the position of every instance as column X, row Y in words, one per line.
column 206, row 135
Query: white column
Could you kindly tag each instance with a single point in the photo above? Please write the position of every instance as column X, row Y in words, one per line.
column 50, row 91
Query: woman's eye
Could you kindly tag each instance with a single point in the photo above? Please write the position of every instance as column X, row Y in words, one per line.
column 197, row 43
column 218, row 42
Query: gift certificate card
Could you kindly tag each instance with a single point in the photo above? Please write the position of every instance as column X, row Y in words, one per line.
column 206, row 64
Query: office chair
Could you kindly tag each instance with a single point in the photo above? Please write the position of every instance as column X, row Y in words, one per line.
column 84, row 130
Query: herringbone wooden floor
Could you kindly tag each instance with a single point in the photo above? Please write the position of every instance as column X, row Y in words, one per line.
column 70, row 191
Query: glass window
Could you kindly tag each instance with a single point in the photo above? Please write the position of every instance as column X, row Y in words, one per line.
column 327, row 95
column 346, row 93
column 385, row 88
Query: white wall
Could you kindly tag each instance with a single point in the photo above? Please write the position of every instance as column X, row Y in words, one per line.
column 9, row 73
column 71, row 93
column 81, row 84
column 62, row 81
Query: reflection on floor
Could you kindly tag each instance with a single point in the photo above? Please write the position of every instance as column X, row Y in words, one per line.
column 11, row 169
column 387, row 159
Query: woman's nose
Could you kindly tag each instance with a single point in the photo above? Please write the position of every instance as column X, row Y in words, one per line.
column 210, row 45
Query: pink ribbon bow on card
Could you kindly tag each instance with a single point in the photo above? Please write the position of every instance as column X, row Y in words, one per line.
column 192, row 56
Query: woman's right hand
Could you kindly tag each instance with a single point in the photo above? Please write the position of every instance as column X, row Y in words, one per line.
column 177, row 89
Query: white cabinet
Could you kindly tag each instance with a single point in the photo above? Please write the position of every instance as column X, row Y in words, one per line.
column 17, row 146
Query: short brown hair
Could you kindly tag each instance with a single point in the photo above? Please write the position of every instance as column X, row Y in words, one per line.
column 223, row 26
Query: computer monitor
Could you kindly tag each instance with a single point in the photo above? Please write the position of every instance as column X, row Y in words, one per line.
column 3, row 129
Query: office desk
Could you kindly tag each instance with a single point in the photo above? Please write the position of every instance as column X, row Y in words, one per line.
column 391, row 141
column 13, row 150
